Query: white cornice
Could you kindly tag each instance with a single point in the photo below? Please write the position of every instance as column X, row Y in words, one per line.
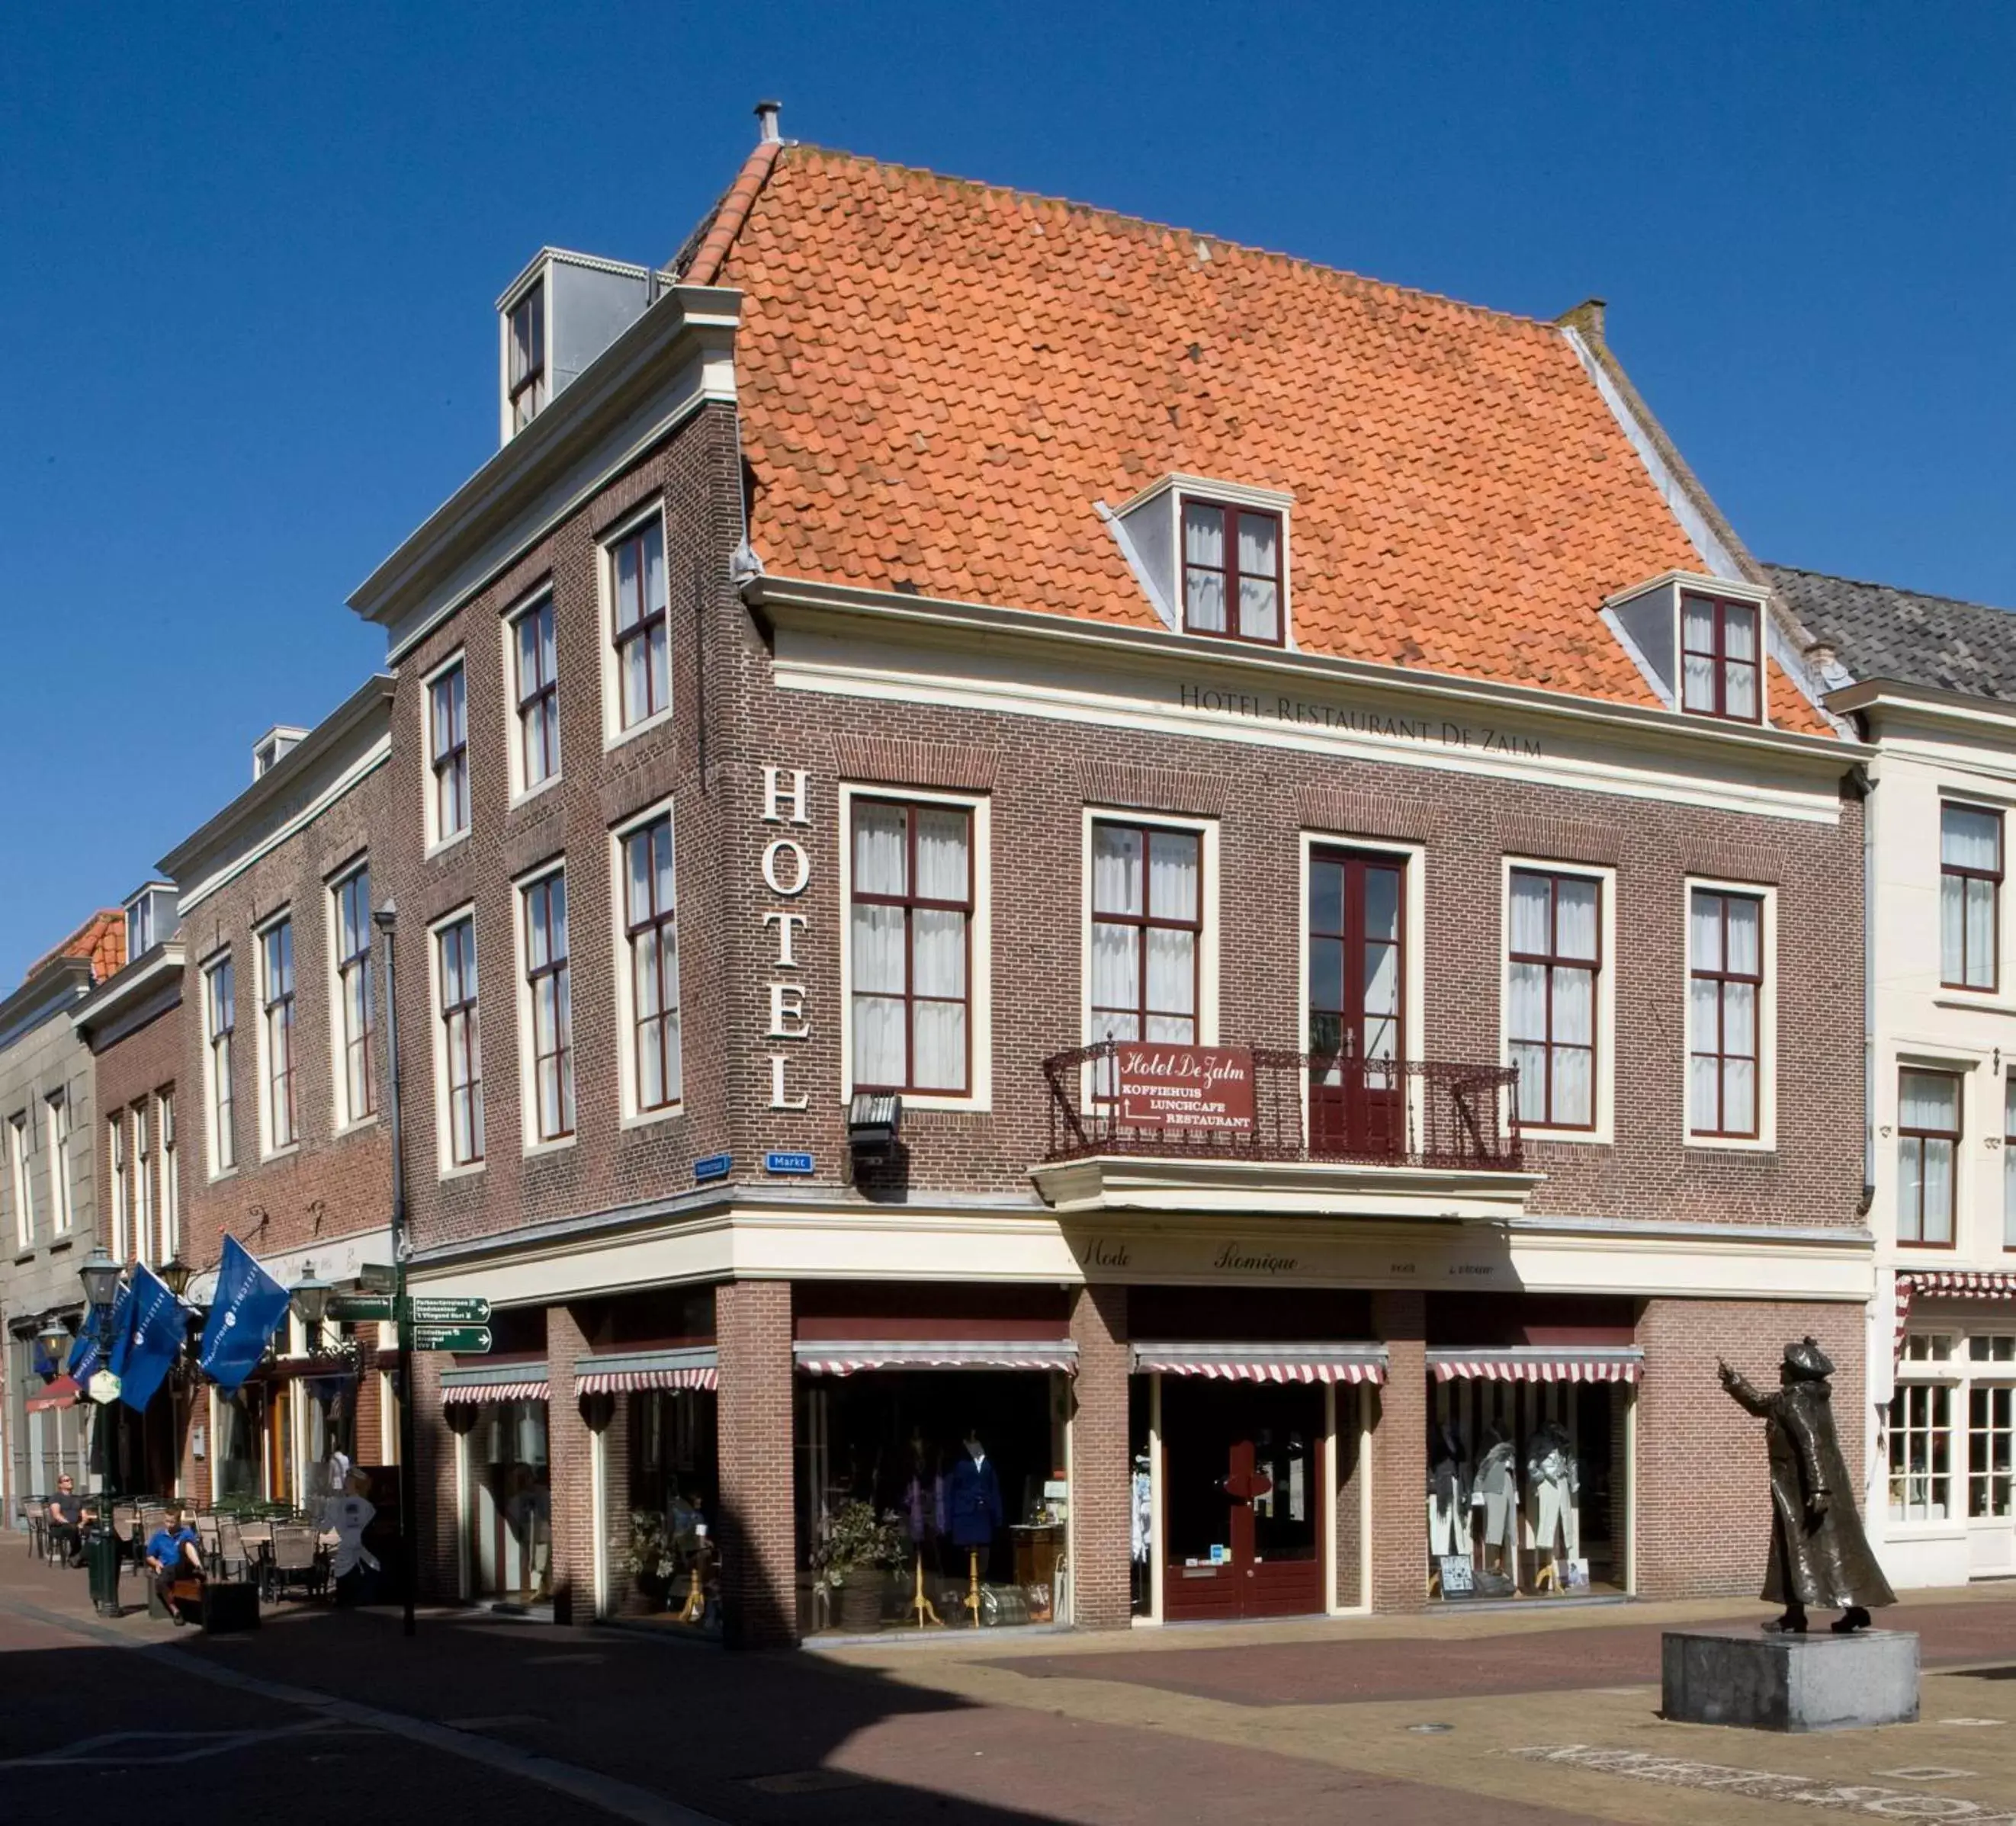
column 121, row 994
column 1116, row 1182
column 1930, row 702
column 673, row 359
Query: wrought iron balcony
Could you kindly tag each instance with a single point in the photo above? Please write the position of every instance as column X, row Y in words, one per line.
column 1307, row 1108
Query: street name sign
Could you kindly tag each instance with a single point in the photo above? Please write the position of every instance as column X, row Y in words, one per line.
column 360, row 1306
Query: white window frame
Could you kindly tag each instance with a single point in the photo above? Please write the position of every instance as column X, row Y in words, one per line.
column 345, row 1118
column 1414, row 941
column 1960, row 995
column 1765, row 1139
column 1167, row 497
column 613, row 734
column 1950, row 1373
column 436, row 842
column 166, row 1149
column 142, row 1118
column 540, row 594
column 626, row 993
column 1976, row 1126
column 24, row 1197
column 447, row 1167
column 1205, row 829
column 1604, row 1133
column 115, row 1143
column 213, row 1103
column 268, row 1149
column 521, row 954
column 63, row 1205
column 979, row 987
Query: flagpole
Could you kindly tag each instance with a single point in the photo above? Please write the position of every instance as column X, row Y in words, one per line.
column 384, row 918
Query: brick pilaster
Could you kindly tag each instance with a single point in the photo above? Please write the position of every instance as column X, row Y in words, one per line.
column 1347, row 1477
column 1398, row 1561
column 1102, row 1487
column 758, row 1578
column 570, row 1472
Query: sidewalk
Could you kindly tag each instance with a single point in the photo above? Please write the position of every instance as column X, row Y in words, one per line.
column 1322, row 1718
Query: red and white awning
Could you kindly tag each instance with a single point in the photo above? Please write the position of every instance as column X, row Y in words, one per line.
column 636, row 1372
column 63, row 1393
column 463, row 1393
column 1264, row 1363
column 1946, row 1284
column 1539, row 1363
column 845, row 1357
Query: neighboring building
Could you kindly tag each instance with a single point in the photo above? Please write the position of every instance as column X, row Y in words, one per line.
column 935, row 638
column 132, row 1024
column 283, row 1063
column 48, row 1207
column 1932, row 683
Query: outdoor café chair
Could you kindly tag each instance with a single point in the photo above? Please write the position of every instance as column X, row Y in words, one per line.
column 295, row 1561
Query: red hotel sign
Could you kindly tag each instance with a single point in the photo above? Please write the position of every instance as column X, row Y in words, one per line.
column 1186, row 1087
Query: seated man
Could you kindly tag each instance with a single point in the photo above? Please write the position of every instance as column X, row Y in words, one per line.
column 174, row 1555
column 67, row 1518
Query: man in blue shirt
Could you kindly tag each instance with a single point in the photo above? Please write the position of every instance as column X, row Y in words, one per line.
column 174, row 1554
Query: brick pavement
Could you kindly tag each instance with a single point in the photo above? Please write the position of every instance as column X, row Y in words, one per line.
column 1179, row 1726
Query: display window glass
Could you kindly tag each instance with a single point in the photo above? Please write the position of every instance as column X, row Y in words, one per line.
column 1527, row 1488
column 510, row 1518
column 674, row 1561
column 1950, row 1443
column 930, row 1499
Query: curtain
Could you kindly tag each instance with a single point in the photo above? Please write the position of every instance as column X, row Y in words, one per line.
column 938, row 962
column 1704, row 918
column 1530, row 903
column 1575, row 918
column 1116, row 968
column 1970, row 839
column 1739, row 686
column 881, row 865
column 1533, row 1063
column 1259, row 594
column 1526, row 1015
column 878, row 994
column 1116, row 871
column 1939, row 1191
column 1927, row 1100
column 1746, row 928
column 654, row 569
column 1573, row 1087
column 1204, row 569
column 1172, row 875
column 941, row 855
column 1172, row 985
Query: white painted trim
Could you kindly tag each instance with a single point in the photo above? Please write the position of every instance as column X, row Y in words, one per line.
column 1765, row 1140
column 374, row 758
column 1164, row 610
column 1158, row 1489
column 626, row 1048
column 598, row 1484
column 463, row 1527
column 1604, row 1133
column 1329, row 1491
column 1630, row 1399
column 980, row 985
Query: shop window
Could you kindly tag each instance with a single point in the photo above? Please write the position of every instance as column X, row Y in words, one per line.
column 674, row 1503
column 1921, row 1451
column 1928, row 1347
column 1991, row 1425
column 1929, row 1106
column 1992, row 1348
column 510, row 1515
column 1970, row 896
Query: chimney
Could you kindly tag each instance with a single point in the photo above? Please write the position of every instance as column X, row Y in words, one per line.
column 766, row 118
column 1587, row 317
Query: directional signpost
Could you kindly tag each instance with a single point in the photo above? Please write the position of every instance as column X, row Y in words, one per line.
column 358, row 1307
column 455, row 1322
column 465, row 1340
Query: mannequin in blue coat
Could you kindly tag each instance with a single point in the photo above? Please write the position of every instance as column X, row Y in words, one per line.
column 972, row 1498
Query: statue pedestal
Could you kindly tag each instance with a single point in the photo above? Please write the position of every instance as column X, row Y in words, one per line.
column 1820, row 1682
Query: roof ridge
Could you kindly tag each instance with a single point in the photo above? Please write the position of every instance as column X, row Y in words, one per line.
column 1928, row 595
column 1551, row 326
column 731, row 213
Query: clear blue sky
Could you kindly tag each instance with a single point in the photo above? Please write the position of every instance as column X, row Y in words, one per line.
column 252, row 251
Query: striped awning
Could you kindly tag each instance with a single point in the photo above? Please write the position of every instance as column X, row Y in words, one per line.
column 1539, row 1363
column 1946, row 1284
column 843, row 1357
column 637, row 1371
column 63, row 1393
column 1264, row 1362
column 494, row 1382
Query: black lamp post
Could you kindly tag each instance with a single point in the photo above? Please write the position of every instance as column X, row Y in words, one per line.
column 100, row 1275
column 312, row 1295
column 55, row 1339
column 386, row 918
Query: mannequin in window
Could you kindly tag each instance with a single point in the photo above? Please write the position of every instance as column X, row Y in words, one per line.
column 1497, row 1494
column 1555, row 1481
column 924, row 1496
column 1449, row 1491
column 973, row 1513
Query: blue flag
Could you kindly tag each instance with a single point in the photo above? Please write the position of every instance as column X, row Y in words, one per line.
column 144, row 1350
column 87, row 1360
column 248, row 1308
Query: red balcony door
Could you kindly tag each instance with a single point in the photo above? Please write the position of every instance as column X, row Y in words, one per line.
column 1357, row 988
column 1243, row 1502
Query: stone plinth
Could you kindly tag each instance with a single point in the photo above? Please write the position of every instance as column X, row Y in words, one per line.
column 1820, row 1682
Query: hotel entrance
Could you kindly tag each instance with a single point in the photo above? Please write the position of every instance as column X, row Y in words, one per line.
column 1244, row 1499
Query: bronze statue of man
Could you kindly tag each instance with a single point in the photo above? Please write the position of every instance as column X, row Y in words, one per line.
column 1819, row 1554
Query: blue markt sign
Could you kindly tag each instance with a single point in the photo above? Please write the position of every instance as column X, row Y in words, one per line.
column 796, row 1165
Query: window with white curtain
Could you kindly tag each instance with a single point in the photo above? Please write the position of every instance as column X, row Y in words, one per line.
column 357, row 1091
column 1928, row 1130
column 1719, row 672
column 549, row 998
column 2009, row 1161
column 536, row 687
column 1970, row 896
column 1555, row 931
column 910, row 944
column 276, row 993
column 448, row 751
column 639, row 623
column 1726, row 991
column 1232, row 572
column 461, row 1040
column 1147, row 928
column 220, row 1027
column 649, row 992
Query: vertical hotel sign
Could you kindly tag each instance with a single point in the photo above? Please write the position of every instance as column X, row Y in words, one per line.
column 787, row 873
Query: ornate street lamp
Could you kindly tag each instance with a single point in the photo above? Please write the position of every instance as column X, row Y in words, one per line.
column 56, row 1341
column 176, row 1273
column 100, row 1275
column 386, row 919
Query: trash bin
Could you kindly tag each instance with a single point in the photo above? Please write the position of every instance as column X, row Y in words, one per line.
column 101, row 1555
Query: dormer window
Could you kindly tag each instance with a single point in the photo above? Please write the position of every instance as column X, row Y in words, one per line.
column 1232, row 572
column 1718, row 658
column 526, row 382
column 150, row 917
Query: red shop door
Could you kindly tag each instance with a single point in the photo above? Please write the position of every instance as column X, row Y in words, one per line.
column 1357, row 978
column 1244, row 1500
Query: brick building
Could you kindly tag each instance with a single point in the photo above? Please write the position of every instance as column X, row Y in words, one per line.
column 281, row 1046
column 48, row 1208
column 133, row 1023
column 1284, row 794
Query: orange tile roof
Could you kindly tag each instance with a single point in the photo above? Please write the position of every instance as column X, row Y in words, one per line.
column 100, row 941
column 938, row 379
